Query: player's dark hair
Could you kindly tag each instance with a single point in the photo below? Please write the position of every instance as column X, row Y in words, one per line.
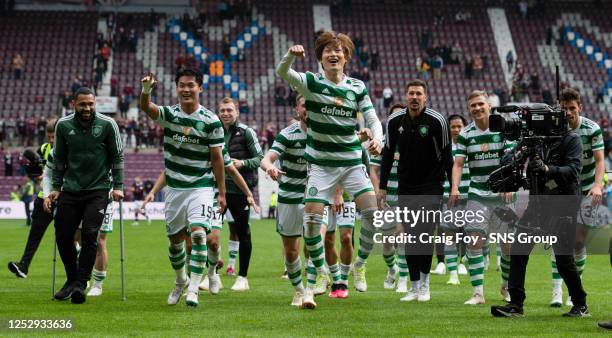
column 417, row 83
column 457, row 117
column 569, row 94
column 189, row 72
column 83, row 91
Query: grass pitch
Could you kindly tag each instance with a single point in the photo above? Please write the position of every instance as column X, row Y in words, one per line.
column 265, row 310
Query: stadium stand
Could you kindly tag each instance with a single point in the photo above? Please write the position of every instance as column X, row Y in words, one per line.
column 56, row 47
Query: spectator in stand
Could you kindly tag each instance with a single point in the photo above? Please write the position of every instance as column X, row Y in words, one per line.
column 131, row 125
column 358, row 42
column 365, row 76
column 534, row 81
column 99, row 40
column 424, row 37
column 523, row 8
column 31, row 131
column 76, row 84
column 387, row 97
column 179, row 62
column 153, row 20
column 355, row 73
column 21, row 130
column 121, row 125
column 190, row 61
column 152, row 134
column 128, row 92
column 11, row 127
column 243, row 106
column 347, row 7
column 132, row 40
column 599, row 94
column 114, row 86
column 17, row 64
column 8, row 164
column 547, row 96
column 2, row 132
column 436, row 64
column 477, row 66
column 223, row 10
column 549, row 36
column 124, row 106
column 225, row 48
column 105, row 53
column 41, row 127
column 374, row 60
column 510, row 60
column 456, row 55
column 280, row 95
column 364, row 57
column 438, row 18
column 144, row 133
column 424, row 72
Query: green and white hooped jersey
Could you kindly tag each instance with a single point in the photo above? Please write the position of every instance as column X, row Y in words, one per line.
column 483, row 150
column 332, row 116
column 464, row 185
column 392, row 183
column 290, row 145
column 187, row 139
column 592, row 139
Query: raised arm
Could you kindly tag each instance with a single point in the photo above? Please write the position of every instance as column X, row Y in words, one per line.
column 150, row 108
column 295, row 79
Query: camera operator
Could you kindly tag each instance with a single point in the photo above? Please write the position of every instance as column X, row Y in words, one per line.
column 554, row 166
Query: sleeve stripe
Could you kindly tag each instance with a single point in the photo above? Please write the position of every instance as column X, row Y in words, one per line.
column 113, row 124
column 254, row 139
column 443, row 125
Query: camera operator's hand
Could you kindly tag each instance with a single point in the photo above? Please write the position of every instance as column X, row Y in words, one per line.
column 537, row 165
column 596, row 194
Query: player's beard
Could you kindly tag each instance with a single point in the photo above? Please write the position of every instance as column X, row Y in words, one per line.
column 82, row 119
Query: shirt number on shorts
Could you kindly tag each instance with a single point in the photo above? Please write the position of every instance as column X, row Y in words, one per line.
column 107, row 218
column 348, row 211
column 210, row 212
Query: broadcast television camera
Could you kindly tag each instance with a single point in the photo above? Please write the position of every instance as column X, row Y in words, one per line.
column 529, row 125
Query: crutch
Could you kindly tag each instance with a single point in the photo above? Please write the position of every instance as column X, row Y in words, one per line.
column 121, row 249
column 53, row 272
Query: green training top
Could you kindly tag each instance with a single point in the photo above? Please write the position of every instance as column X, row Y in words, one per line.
column 85, row 158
